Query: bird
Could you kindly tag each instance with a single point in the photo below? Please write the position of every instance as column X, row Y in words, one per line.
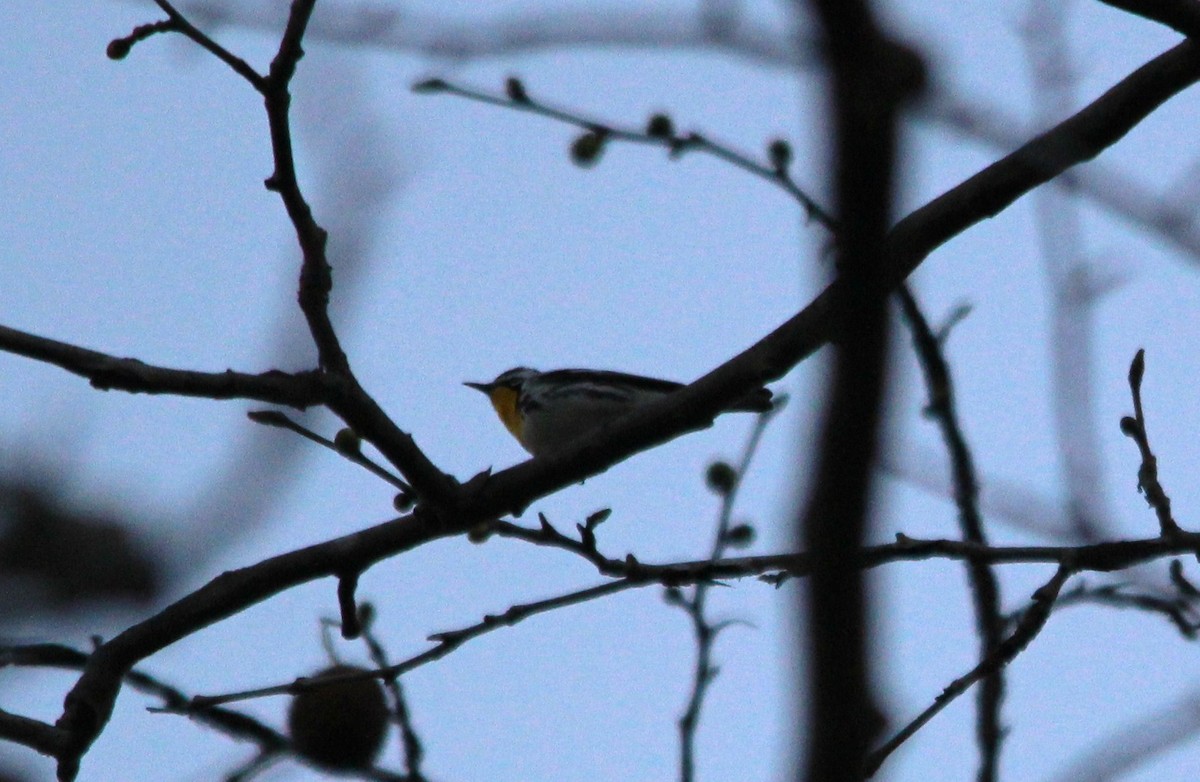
column 547, row 410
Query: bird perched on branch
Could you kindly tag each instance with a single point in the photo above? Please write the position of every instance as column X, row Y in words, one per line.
column 547, row 410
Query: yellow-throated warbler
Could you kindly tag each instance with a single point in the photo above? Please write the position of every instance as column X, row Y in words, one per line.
column 547, row 410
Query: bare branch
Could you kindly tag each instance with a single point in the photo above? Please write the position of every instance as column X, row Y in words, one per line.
column 119, row 48
column 1135, row 429
column 180, row 24
column 873, row 76
column 695, row 604
column 35, row 734
column 984, row 588
column 303, row 389
column 1181, row 16
column 1032, row 622
column 107, row 372
column 1103, row 557
column 659, row 132
column 316, row 277
column 445, row 643
column 348, row 450
column 410, row 742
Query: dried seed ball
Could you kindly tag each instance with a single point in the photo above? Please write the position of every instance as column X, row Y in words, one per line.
column 721, row 477
column 341, row 726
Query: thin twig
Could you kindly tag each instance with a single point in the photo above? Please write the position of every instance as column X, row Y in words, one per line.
column 705, row 632
column 105, row 372
column 984, row 588
column 316, row 277
column 1135, row 428
column 119, row 48
column 353, row 454
column 239, row 66
column 666, row 137
column 547, row 535
column 1103, row 557
column 1180, row 609
column 1027, row 628
column 410, row 742
column 444, row 643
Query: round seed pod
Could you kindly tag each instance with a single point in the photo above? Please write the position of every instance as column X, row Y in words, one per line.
column 340, row 726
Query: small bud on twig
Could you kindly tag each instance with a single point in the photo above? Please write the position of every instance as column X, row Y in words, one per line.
column 586, row 150
column 514, row 88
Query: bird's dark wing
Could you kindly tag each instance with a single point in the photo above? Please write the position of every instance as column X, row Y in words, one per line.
column 604, row 376
column 757, row 401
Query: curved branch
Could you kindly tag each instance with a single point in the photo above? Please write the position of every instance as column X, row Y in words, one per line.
column 89, row 704
column 1075, row 140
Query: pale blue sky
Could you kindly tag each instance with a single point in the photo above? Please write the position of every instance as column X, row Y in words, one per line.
column 465, row 242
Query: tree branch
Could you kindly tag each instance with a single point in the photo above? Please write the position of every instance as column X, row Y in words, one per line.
column 106, row 372
column 1135, row 428
column 984, row 587
column 695, row 604
column 506, row 34
column 341, row 394
column 316, row 277
column 89, row 704
column 1032, row 622
column 659, row 132
column 444, row 643
column 1182, row 16
column 872, row 77
column 1077, row 139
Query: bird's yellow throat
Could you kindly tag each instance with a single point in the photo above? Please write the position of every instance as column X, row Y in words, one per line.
column 505, row 402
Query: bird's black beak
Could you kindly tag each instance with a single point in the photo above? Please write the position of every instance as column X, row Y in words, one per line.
column 484, row 387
